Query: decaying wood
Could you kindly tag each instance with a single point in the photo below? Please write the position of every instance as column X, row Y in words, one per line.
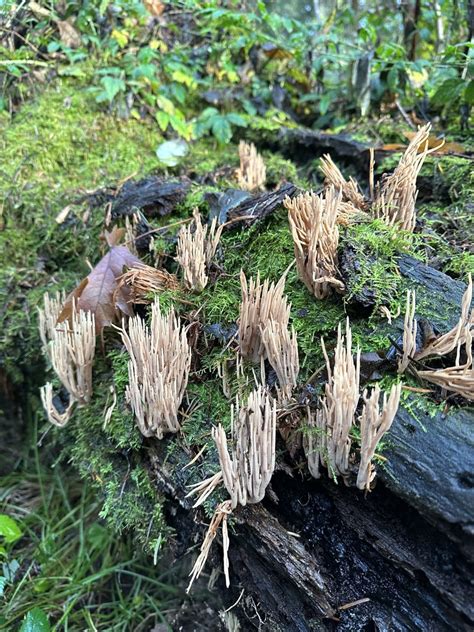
column 315, row 555
column 260, row 206
column 154, row 196
column 305, row 144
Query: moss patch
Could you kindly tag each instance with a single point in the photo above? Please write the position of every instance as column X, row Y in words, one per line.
column 51, row 152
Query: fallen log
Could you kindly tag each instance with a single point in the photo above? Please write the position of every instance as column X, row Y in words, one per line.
column 303, row 144
column 316, row 555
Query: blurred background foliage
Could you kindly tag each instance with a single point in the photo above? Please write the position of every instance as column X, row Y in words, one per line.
column 208, row 68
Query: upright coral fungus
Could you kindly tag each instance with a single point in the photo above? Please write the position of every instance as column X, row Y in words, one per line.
column 246, row 470
column 338, row 407
column 261, row 303
column 252, row 172
column 158, row 369
column 395, row 196
column 313, row 222
column 197, row 245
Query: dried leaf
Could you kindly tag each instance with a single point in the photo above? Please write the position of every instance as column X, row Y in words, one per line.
column 68, row 34
column 155, row 7
column 38, row 10
column 438, row 144
column 100, row 293
column 433, row 143
column 62, row 215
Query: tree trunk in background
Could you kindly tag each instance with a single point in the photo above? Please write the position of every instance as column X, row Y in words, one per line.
column 411, row 14
column 439, row 26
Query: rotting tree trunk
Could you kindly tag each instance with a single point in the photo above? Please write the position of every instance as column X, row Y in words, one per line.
column 319, row 556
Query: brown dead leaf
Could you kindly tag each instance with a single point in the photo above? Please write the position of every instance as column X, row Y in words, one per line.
column 155, row 7
column 99, row 292
column 114, row 237
column 38, row 10
column 62, row 215
column 434, row 143
column 439, row 144
column 68, row 34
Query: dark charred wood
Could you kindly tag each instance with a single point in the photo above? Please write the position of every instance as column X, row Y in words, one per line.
column 153, row 196
column 260, row 206
column 431, row 466
column 302, row 145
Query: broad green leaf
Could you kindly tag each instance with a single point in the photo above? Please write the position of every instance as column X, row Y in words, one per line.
column 236, row 119
column 112, row 86
column 9, row 529
column 208, row 113
column 448, row 91
column 35, row 621
column 181, row 77
column 3, row 583
column 179, row 92
column 469, row 92
column 165, row 104
column 221, row 129
column 144, row 70
column 178, row 123
column 170, row 152
column 121, row 37
column 163, row 120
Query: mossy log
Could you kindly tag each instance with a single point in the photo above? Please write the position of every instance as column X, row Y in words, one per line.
column 303, row 144
column 320, row 556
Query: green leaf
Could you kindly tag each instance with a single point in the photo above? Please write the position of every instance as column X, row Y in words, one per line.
column 392, row 79
column 178, row 123
column 35, row 621
column 163, row 120
column 112, row 86
column 170, row 152
column 181, row 77
column 221, row 129
column 9, row 529
column 448, row 91
column 144, row 70
column 236, row 119
column 165, row 104
column 179, row 92
column 469, row 92
column 3, row 583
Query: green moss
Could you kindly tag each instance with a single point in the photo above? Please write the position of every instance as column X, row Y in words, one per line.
column 372, row 249
column 110, row 455
column 460, row 265
column 279, row 169
column 52, row 151
column 206, row 157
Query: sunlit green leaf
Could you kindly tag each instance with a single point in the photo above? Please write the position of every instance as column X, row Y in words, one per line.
column 163, row 120
column 170, row 152
column 9, row 529
column 35, row 621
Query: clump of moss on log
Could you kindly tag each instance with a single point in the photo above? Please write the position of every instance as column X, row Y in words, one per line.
column 111, row 456
column 53, row 151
